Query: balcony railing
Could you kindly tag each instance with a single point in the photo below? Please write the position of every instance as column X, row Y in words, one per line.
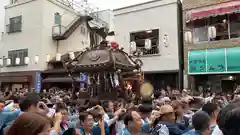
column 144, row 52
column 58, row 30
column 223, row 32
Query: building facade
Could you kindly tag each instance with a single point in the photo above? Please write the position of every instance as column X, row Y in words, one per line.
column 156, row 21
column 211, row 50
column 29, row 29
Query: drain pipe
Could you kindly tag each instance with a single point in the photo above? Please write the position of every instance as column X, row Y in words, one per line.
column 57, row 49
column 180, row 46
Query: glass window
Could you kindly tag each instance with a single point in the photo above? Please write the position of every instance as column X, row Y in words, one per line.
column 234, row 25
column 220, row 22
column 57, row 18
column 221, row 25
column 17, row 54
column 15, row 24
column 139, row 38
column 200, row 30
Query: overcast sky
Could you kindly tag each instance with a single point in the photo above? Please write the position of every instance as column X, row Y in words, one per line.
column 113, row 4
column 102, row 4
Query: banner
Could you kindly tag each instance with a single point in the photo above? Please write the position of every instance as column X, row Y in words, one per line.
column 213, row 61
column 38, row 82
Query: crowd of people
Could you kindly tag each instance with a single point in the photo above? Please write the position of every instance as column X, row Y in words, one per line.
column 165, row 113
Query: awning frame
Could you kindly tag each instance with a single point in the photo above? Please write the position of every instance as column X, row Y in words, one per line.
column 213, row 10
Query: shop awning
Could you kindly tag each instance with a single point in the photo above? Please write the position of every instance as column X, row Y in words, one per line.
column 214, row 10
column 214, row 61
column 60, row 80
column 14, row 79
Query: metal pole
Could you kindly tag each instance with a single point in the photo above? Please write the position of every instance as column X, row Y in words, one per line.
column 180, row 45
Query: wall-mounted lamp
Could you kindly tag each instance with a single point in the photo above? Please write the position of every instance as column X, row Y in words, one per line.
column 26, row 60
column 36, row 59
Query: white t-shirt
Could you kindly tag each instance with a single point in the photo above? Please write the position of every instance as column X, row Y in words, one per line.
column 217, row 131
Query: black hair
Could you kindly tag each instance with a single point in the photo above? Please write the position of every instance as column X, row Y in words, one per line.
column 93, row 102
column 29, row 99
column 157, row 94
column 230, row 113
column 209, row 108
column 146, row 101
column 61, row 106
column 201, row 121
column 145, row 108
column 70, row 131
column 83, row 116
column 231, row 126
column 128, row 117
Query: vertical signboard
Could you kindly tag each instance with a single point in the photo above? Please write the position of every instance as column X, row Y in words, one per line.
column 83, row 80
column 83, row 77
column 38, row 82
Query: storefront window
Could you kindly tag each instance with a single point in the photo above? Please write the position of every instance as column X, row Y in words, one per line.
column 200, row 31
column 227, row 26
column 141, row 36
column 235, row 25
column 221, row 25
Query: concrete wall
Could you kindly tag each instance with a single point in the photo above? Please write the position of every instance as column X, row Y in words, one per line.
column 36, row 35
column 160, row 15
column 73, row 43
column 31, row 35
column 107, row 16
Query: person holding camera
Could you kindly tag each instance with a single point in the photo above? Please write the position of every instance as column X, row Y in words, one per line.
column 133, row 123
column 100, row 126
column 86, row 123
column 61, row 123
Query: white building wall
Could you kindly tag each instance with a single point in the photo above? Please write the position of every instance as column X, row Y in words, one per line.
column 76, row 42
column 107, row 16
column 160, row 15
column 29, row 38
column 70, row 44
column 36, row 35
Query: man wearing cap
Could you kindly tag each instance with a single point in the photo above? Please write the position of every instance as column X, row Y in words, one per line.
column 168, row 118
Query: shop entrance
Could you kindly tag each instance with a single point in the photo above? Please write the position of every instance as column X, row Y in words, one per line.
column 228, row 86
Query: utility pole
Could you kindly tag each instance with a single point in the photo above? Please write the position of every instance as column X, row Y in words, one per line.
column 180, row 46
